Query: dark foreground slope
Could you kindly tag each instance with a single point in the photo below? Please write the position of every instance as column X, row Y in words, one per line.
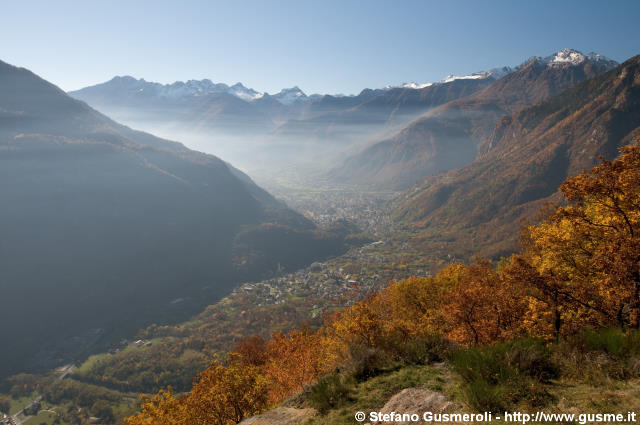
column 478, row 208
column 447, row 137
column 103, row 227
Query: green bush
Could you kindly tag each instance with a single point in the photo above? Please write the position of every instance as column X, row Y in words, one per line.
column 485, row 397
column 533, row 358
column 422, row 350
column 613, row 342
column 596, row 356
column 366, row 362
column 329, row 392
column 503, row 374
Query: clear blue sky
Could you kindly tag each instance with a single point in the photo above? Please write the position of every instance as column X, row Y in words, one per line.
column 322, row 46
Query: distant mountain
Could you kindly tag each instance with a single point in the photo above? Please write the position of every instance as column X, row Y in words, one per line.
column 288, row 130
column 289, row 96
column 202, row 104
column 448, row 136
column 495, row 73
column 344, row 122
column 102, row 226
column 478, row 208
column 127, row 86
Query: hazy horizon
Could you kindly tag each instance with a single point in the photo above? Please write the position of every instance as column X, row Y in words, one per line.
column 329, row 47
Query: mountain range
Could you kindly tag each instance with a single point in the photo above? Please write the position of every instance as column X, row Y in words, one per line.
column 447, row 137
column 285, row 129
column 103, row 226
column 386, row 138
column 478, row 208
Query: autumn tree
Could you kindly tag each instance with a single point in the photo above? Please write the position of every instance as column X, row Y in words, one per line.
column 360, row 323
column 481, row 307
column 162, row 408
column 411, row 307
column 221, row 395
column 224, row 395
column 587, row 253
column 252, row 351
column 297, row 359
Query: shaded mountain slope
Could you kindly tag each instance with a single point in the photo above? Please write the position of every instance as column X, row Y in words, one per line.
column 478, row 208
column 103, row 226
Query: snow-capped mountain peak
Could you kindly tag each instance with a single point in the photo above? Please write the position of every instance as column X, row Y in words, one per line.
column 410, row 85
column 563, row 56
column 180, row 89
column 494, row 73
column 195, row 88
column 289, row 96
column 567, row 57
column 244, row 93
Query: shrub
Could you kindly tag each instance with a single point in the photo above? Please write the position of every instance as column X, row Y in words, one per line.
column 329, row 392
column 422, row 350
column 597, row 356
column 366, row 362
column 501, row 375
column 485, row 397
column 533, row 358
column 613, row 342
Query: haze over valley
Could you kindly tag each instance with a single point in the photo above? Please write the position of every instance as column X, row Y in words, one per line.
column 457, row 233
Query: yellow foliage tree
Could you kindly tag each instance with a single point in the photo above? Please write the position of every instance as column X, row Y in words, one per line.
column 586, row 255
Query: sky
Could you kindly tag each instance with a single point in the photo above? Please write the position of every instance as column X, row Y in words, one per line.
column 322, row 46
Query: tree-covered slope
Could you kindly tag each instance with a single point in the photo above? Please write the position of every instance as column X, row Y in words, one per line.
column 478, row 208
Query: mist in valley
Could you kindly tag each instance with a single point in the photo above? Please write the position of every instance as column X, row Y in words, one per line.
column 296, row 152
column 278, row 253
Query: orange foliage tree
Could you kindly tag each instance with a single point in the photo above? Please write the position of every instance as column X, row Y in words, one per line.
column 296, row 359
column 221, row 395
column 586, row 255
column 481, row 306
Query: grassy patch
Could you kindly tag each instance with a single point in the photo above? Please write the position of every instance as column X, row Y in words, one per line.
column 373, row 393
column 497, row 377
column 18, row 404
column 42, row 417
column 90, row 363
column 600, row 357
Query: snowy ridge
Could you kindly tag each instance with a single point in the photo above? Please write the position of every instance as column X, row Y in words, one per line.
column 293, row 95
column 289, row 96
column 183, row 89
column 494, row 73
column 204, row 87
column 567, row 57
column 412, row 85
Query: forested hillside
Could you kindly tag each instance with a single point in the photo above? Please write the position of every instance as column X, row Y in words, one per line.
column 478, row 208
column 564, row 310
